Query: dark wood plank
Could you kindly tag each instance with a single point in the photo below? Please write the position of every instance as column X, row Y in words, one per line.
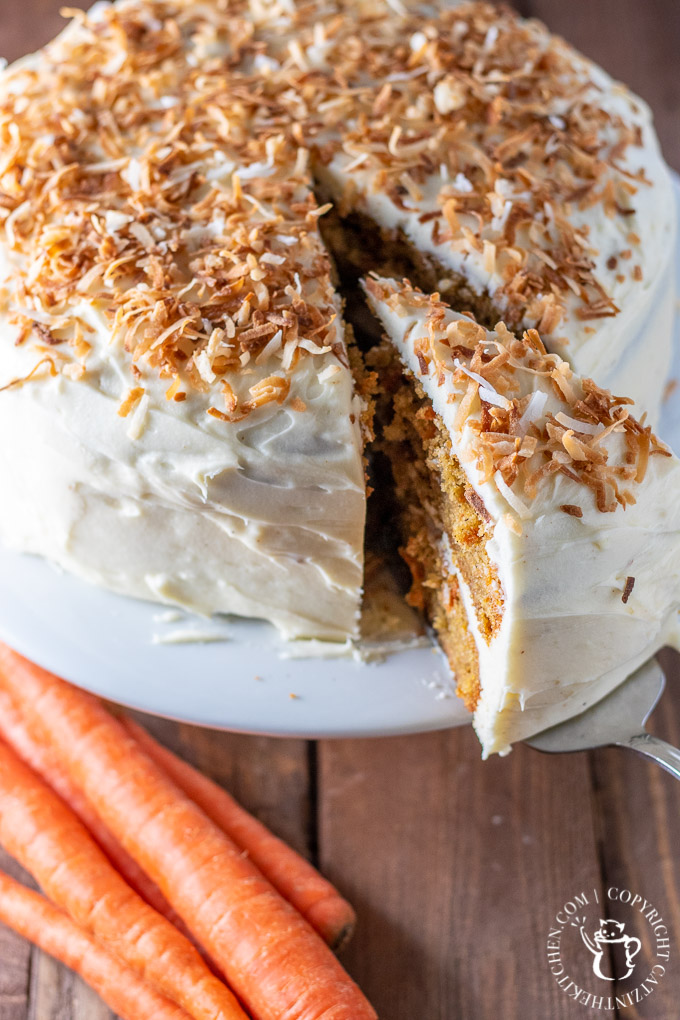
column 58, row 994
column 15, row 959
column 639, row 817
column 26, row 26
column 457, row 867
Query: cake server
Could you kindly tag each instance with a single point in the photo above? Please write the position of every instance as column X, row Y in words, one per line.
column 617, row 721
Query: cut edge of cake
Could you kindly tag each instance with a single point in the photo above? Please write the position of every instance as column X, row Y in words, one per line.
column 541, row 520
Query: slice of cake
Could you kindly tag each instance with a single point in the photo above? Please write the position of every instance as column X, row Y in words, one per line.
column 540, row 519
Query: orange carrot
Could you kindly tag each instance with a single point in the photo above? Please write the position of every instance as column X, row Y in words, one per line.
column 45, row 836
column 42, row 760
column 271, row 956
column 294, row 877
column 39, row 921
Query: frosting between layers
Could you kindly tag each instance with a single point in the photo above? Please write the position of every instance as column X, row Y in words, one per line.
column 566, row 637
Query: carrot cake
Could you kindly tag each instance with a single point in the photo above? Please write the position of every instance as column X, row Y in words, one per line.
column 189, row 192
column 540, row 518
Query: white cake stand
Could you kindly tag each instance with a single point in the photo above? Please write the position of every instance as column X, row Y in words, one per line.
column 240, row 680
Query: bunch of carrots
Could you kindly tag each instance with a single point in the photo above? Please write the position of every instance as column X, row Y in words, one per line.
column 157, row 887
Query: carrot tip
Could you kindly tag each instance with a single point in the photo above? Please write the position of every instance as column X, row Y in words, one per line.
column 343, row 937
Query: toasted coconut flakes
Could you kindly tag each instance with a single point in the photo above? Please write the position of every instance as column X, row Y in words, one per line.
column 578, row 426
column 512, row 524
column 74, row 371
column 576, row 449
column 514, row 441
column 561, row 376
column 274, row 387
column 211, row 226
column 465, row 406
column 138, row 421
column 489, row 257
column 450, row 215
column 533, row 411
column 143, row 235
column 46, row 334
column 644, row 445
column 214, row 412
column 571, row 509
column 486, row 391
column 329, row 373
column 51, row 371
column 130, row 401
column 423, row 363
column 313, row 348
column 517, row 504
column 173, row 389
column 270, row 348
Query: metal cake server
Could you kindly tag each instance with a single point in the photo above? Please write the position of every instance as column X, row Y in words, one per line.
column 617, row 721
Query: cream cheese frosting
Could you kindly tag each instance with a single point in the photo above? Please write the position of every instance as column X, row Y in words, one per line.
column 180, row 421
column 521, row 167
column 266, row 523
column 184, row 423
column 589, row 564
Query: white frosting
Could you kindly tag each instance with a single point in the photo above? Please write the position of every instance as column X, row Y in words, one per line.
column 262, row 519
column 628, row 353
column 566, row 637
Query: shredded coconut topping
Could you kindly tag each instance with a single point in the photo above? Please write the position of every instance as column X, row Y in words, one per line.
column 514, row 440
column 158, row 160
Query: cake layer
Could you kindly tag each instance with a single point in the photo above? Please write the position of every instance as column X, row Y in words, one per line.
column 434, row 515
column 578, row 504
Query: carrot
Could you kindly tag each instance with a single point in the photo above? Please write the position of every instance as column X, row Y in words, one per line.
column 42, row 760
column 39, row 921
column 293, row 876
column 272, row 958
column 45, row 836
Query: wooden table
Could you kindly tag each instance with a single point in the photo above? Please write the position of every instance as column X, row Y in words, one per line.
column 457, row 867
